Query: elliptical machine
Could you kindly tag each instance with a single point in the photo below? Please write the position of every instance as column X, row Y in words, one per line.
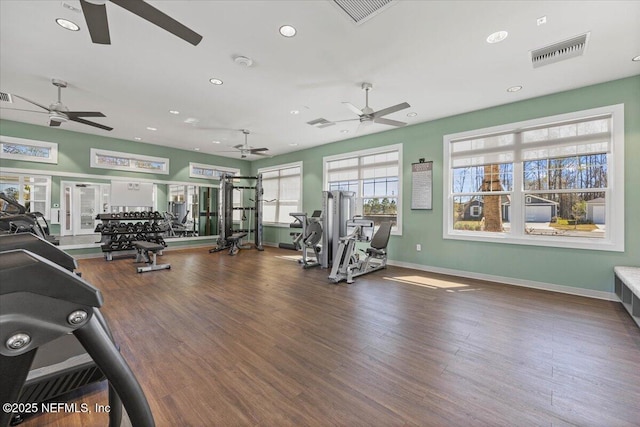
column 48, row 309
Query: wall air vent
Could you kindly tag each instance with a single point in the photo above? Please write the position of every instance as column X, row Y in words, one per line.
column 362, row 10
column 5, row 97
column 556, row 52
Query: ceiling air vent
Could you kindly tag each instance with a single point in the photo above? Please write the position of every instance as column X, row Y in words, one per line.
column 571, row 48
column 362, row 10
column 6, row 97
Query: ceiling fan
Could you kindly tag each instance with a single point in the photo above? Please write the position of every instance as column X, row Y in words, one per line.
column 367, row 115
column 95, row 13
column 59, row 113
column 246, row 150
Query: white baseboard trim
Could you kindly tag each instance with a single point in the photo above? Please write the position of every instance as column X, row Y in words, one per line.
column 609, row 296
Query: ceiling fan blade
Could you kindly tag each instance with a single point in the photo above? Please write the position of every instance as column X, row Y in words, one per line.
column 390, row 110
column 87, row 122
column 54, row 123
column 28, row 111
column 353, row 108
column 389, row 122
column 261, row 154
column 257, row 150
column 84, row 114
column 162, row 20
column 96, row 17
column 239, row 146
column 347, row 120
column 32, row 102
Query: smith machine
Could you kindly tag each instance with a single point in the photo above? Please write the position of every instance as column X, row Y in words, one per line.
column 240, row 204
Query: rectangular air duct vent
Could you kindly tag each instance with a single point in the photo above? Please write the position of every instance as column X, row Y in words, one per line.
column 571, row 48
column 362, row 10
column 5, row 97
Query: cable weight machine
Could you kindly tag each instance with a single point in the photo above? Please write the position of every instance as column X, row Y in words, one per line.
column 250, row 208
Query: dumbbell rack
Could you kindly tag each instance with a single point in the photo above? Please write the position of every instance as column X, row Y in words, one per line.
column 119, row 230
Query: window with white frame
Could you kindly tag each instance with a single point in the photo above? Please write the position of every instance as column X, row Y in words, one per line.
column 282, row 195
column 547, row 181
column 28, row 150
column 375, row 177
column 31, row 191
column 105, row 159
column 200, row 170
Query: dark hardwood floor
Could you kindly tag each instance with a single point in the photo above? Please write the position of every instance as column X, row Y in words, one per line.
column 255, row 340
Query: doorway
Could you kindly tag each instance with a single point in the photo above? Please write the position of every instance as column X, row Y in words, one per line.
column 81, row 203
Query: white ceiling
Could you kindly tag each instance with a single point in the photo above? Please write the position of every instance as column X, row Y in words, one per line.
column 431, row 54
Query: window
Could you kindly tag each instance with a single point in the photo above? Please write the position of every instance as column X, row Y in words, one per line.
column 31, row 191
column 282, row 192
column 128, row 162
column 374, row 175
column 28, row 150
column 199, row 170
column 547, row 182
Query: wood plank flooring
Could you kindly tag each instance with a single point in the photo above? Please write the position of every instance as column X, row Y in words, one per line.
column 255, row 340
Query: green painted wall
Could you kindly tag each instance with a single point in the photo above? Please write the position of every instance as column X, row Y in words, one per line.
column 74, row 154
column 591, row 270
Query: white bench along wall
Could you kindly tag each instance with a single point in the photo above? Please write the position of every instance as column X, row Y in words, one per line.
column 627, row 287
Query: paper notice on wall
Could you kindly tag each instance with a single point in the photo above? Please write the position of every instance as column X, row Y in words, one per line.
column 421, row 185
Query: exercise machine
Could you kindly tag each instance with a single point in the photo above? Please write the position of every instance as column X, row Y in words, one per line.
column 147, row 252
column 53, row 337
column 230, row 237
column 310, row 237
column 296, row 235
column 348, row 262
column 337, row 208
column 14, row 218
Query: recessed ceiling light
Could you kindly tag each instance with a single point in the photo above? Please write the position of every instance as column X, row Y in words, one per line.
column 215, row 142
column 243, row 60
column 412, row 114
column 294, row 112
column 65, row 23
column 514, row 88
column 215, row 81
column 176, row 112
column 293, row 144
column 636, row 59
column 137, row 138
column 288, row 31
column 151, row 128
column 497, row 37
column 191, row 120
column 541, row 21
column 344, row 131
column 196, row 149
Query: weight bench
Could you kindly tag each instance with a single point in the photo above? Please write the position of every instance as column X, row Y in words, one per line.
column 234, row 242
column 147, row 252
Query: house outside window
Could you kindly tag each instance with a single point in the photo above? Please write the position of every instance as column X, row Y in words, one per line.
column 282, row 187
column 546, row 181
column 374, row 176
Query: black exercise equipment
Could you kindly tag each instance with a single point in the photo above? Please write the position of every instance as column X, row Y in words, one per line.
column 348, row 263
column 14, row 218
column 147, row 252
column 230, row 237
column 53, row 338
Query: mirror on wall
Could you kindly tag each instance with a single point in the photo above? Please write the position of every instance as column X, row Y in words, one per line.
column 191, row 210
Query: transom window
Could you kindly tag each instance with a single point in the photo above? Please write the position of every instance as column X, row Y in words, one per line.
column 374, row 176
column 547, row 181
